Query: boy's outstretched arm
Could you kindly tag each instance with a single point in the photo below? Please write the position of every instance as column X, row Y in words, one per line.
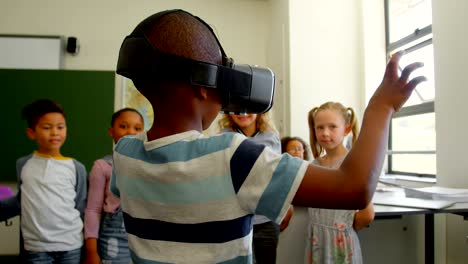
column 353, row 184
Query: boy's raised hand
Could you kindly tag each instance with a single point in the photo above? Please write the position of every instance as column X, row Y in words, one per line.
column 394, row 89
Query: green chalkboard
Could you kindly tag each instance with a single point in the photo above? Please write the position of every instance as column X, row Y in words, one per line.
column 88, row 100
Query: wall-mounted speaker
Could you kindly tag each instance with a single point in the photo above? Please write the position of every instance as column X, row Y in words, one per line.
column 73, row 47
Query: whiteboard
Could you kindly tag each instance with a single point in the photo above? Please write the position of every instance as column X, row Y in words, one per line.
column 31, row 52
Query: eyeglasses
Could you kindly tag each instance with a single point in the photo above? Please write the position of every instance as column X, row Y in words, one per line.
column 295, row 150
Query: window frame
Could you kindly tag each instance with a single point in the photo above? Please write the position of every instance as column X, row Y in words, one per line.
column 412, row 110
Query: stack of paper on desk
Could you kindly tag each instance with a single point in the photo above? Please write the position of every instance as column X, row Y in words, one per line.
column 433, row 192
column 412, row 202
column 438, row 193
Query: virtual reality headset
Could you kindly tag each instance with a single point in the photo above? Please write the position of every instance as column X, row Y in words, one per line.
column 243, row 88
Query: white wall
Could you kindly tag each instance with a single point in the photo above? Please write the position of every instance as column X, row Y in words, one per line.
column 451, row 67
column 373, row 25
column 326, row 52
column 278, row 60
column 101, row 26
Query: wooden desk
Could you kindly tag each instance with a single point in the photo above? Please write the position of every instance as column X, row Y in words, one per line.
column 385, row 212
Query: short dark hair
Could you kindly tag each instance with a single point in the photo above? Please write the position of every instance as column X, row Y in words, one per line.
column 178, row 33
column 37, row 109
column 126, row 109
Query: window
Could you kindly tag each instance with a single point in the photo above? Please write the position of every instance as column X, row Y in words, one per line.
column 412, row 141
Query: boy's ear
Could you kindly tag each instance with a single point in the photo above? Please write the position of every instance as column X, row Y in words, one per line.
column 202, row 92
column 111, row 132
column 30, row 133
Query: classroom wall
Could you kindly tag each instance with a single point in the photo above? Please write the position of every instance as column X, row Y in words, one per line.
column 325, row 57
column 451, row 66
column 278, row 60
column 101, row 26
column 373, row 36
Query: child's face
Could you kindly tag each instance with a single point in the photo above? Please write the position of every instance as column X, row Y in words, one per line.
column 330, row 128
column 128, row 123
column 295, row 149
column 49, row 133
column 245, row 121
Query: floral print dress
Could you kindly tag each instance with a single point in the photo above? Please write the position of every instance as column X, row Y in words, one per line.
column 331, row 237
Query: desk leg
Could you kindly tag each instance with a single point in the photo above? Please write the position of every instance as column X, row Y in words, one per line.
column 429, row 238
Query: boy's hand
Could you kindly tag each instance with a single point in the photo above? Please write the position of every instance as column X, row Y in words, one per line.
column 395, row 90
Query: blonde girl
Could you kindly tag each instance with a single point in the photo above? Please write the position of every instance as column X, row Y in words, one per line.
column 332, row 234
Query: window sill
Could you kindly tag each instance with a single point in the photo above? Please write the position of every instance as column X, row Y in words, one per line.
column 400, row 177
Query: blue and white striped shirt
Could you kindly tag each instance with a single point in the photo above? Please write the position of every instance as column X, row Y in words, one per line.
column 189, row 198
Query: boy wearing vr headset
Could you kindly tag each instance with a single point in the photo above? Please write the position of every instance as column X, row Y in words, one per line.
column 189, row 198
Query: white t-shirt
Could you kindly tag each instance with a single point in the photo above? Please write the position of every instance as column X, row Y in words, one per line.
column 49, row 220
